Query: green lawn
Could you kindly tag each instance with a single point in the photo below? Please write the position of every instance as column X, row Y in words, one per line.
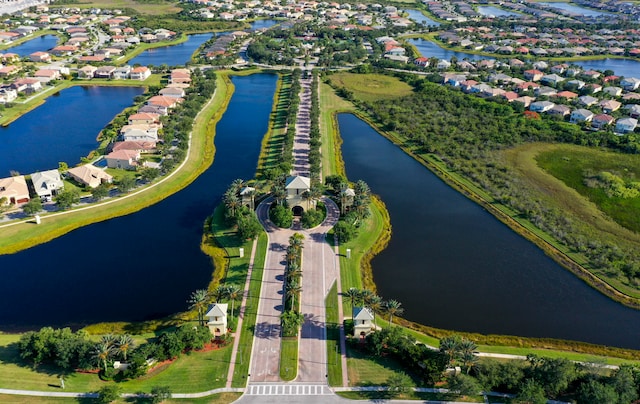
column 156, row 7
column 333, row 337
column 273, row 142
column 223, row 398
column 289, row 358
column 330, row 104
column 371, row 87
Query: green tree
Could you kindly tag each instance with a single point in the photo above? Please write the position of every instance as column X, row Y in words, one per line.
column 199, row 301
column 292, row 291
column 248, row 226
column 531, row 392
column 124, row 345
column 126, row 184
column 108, row 394
column 149, row 174
column 344, row 231
column 102, row 354
column 596, row 392
column 32, row 207
column 100, row 192
column 353, row 294
column 160, row 394
column 624, row 384
column 67, row 198
column 399, row 383
column 449, row 346
column 291, row 322
column 234, row 294
column 392, row 307
column 463, row 385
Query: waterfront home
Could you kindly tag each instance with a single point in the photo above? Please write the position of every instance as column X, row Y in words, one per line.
column 46, row 75
column 421, row 61
column 143, row 118
column 601, row 120
column 125, row 159
column 166, row 103
column 64, row 50
column 139, row 146
column 180, row 76
column 10, row 70
column 296, row 186
column 47, row 184
column 626, row 125
column 14, row 190
column 140, row 133
column 541, row 106
column 7, row 94
column 89, row 175
column 609, row 106
column 362, row 322
column 581, row 115
column 104, row 72
column 630, row 84
column 40, row 57
column 140, row 73
column 122, row 72
column 87, row 72
column 172, row 92
column 27, row 85
column 217, row 319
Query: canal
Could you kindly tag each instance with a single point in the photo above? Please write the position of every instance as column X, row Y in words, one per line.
column 452, row 265
column 64, row 128
column 40, row 44
column 144, row 265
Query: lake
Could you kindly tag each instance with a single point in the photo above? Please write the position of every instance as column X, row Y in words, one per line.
column 496, row 12
column 575, row 9
column 420, row 18
column 453, row 265
column 620, row 67
column 64, row 128
column 144, row 265
column 430, row 49
column 39, row 44
column 177, row 55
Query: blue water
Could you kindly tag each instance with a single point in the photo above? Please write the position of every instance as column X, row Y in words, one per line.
column 620, row 67
column 39, row 44
column 496, row 12
column 429, row 49
column 143, row 265
column 420, row 18
column 64, row 128
column 576, row 9
column 453, row 265
column 177, row 55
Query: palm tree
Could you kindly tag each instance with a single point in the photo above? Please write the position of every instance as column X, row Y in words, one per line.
column 108, row 339
column 469, row 360
column 392, row 307
column 280, row 195
column 296, row 240
column 231, row 202
column 233, row 293
column 362, row 189
column 353, row 294
column 237, row 185
column 292, row 254
column 124, row 344
column 375, row 304
column 294, row 271
column 199, row 300
column 219, row 293
column 291, row 322
column 306, row 195
column 293, row 290
column 449, row 346
column 101, row 354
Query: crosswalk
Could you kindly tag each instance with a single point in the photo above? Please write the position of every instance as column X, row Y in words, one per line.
column 287, row 390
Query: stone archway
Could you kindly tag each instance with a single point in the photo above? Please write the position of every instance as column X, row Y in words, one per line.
column 297, row 210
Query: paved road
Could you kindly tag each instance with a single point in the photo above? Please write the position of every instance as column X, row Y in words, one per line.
column 301, row 145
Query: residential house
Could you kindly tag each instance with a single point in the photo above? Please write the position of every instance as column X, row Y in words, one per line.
column 104, row 72
column 609, row 106
column 533, row 75
column 27, row 85
column 87, row 72
column 634, row 110
column 166, row 103
column 140, row 73
column 172, row 92
column 443, row 64
column 122, row 73
column 626, row 125
column 10, row 70
column 15, row 190
column 594, row 87
column 581, row 115
column 575, row 84
column 525, row 100
column 126, row 159
column 362, row 322
column 630, row 84
column 64, row 50
column 140, row 133
column 421, row 61
column 40, row 57
column 545, row 91
column 601, row 120
column 559, row 110
column 567, row 95
column 587, row 100
column 541, row 106
column 217, row 319
column 551, row 79
column 134, row 145
column 612, row 91
column 143, row 118
column 46, row 75
column 180, row 76
column 296, row 186
column 7, row 94
column 89, row 175
column 47, row 184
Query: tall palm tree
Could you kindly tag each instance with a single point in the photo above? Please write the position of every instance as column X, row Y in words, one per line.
column 231, row 202
column 237, row 184
column 392, row 307
column 294, row 271
column 219, row 293
column 124, row 344
column 279, row 194
column 354, row 295
column 233, row 293
column 291, row 322
column 469, row 360
column 296, row 240
column 449, row 346
column 375, row 304
column 199, row 300
column 109, row 339
column 101, row 354
column 361, row 188
column 306, row 195
column 293, row 290
column 293, row 254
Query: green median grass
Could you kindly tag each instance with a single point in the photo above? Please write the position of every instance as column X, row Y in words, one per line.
column 288, row 358
column 333, row 337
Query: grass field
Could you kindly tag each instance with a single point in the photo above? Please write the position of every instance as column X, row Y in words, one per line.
column 158, row 7
column 270, row 153
column 288, row 358
column 371, row 87
column 330, row 104
column 333, row 337
column 223, row 398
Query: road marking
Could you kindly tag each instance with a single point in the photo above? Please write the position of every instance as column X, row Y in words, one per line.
column 282, row 390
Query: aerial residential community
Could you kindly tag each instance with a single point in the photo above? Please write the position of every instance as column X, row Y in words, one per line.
column 300, row 201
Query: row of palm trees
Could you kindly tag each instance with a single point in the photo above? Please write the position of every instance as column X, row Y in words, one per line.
column 291, row 317
column 200, row 299
column 110, row 347
column 459, row 350
column 374, row 302
column 231, row 198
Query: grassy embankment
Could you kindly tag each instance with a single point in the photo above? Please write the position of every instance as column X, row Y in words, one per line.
column 351, row 268
column 157, row 7
column 26, row 234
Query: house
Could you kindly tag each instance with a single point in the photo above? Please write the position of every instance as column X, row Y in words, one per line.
column 296, row 186
column 612, row 91
column 87, row 72
column 42, row 57
column 172, row 92
column 217, row 319
column 140, row 73
column 134, row 145
column 634, row 110
column 15, row 190
column 601, row 120
column 7, row 95
column 630, row 84
column 581, row 115
column 126, row 159
column 443, row 64
column 166, row 103
column 551, row 79
column 541, row 106
column 545, row 91
column 559, row 110
column 608, row 106
column 89, row 175
column 533, row 75
column 626, row 125
column 10, row 70
column 27, row 85
column 568, row 95
column 525, row 100
column 122, row 72
column 47, row 184
column 46, row 75
column 180, row 76
column 421, row 61
column 362, row 322
column 144, row 118
column 140, row 133
column 587, row 100
column 104, row 72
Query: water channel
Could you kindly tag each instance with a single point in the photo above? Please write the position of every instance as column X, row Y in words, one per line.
column 431, row 49
column 452, row 265
column 418, row 17
column 491, row 11
column 40, row 44
column 575, row 9
column 64, row 128
column 143, row 265
column 175, row 55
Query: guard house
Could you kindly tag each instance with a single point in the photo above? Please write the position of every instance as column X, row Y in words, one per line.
column 347, row 196
column 247, row 197
column 296, row 186
column 217, row 319
column 362, row 322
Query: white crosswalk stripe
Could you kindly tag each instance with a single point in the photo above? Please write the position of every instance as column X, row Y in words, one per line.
column 287, row 390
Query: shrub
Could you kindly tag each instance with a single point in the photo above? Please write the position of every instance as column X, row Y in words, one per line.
column 281, row 216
